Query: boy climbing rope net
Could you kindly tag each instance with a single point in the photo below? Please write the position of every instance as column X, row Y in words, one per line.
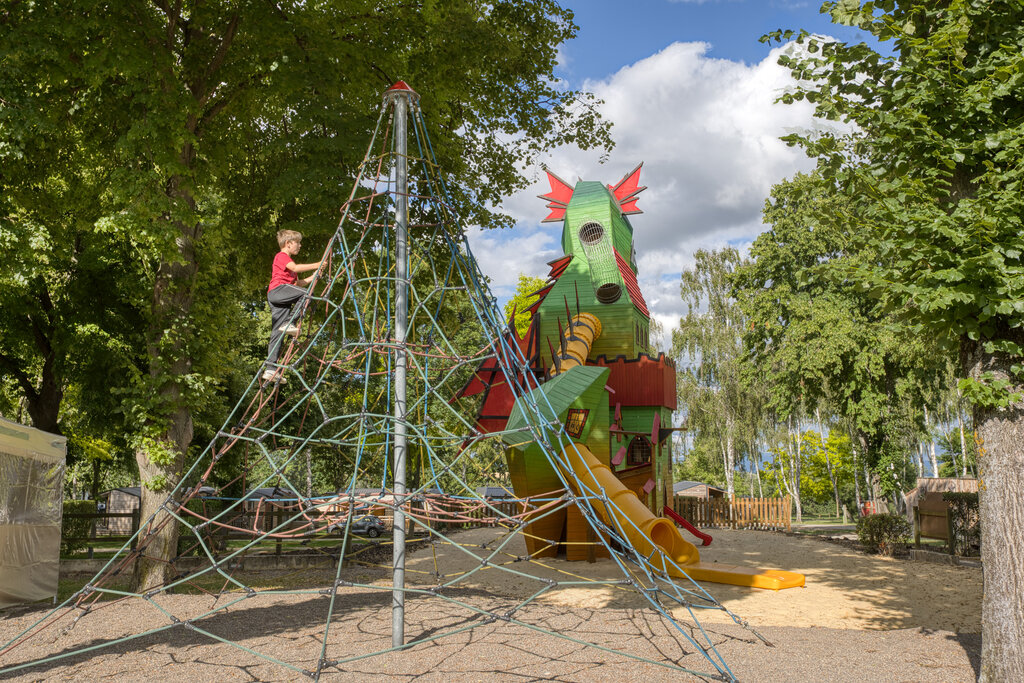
column 282, row 294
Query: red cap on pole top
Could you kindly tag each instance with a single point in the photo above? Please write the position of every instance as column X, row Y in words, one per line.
column 401, row 89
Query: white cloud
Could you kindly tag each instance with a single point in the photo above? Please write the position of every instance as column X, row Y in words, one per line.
column 707, row 131
column 503, row 256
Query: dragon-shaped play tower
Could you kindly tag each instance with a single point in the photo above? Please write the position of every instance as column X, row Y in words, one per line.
column 588, row 345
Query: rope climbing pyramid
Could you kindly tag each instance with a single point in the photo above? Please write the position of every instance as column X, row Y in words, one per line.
column 396, row 328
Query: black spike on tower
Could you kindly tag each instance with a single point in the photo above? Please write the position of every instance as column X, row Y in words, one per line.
column 554, row 357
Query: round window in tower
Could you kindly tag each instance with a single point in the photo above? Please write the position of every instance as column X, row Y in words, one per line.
column 609, row 293
column 591, row 233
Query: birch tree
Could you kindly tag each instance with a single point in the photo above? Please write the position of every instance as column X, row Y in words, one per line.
column 709, row 349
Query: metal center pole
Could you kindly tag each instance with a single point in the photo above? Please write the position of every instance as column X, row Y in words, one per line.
column 400, row 95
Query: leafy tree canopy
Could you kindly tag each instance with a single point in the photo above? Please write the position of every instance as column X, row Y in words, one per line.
column 524, row 297
column 933, row 170
column 813, row 338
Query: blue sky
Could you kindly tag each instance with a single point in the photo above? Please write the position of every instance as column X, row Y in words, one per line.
column 691, row 93
column 616, row 33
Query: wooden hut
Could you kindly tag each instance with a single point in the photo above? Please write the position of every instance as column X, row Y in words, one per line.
column 696, row 489
column 938, row 485
column 120, row 500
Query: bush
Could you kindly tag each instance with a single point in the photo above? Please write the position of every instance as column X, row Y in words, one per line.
column 812, row 509
column 963, row 508
column 884, row 534
column 75, row 528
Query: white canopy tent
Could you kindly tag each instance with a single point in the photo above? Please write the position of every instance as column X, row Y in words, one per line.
column 31, row 491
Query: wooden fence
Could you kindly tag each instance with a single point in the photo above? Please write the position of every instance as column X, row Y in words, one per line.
column 100, row 533
column 741, row 513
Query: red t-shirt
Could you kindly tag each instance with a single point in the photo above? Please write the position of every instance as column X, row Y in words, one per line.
column 279, row 273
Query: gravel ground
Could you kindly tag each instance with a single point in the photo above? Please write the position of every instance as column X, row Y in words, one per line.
column 288, row 630
column 860, row 619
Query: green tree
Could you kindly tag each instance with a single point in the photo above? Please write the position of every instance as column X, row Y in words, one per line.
column 524, row 297
column 709, row 348
column 951, row 461
column 210, row 126
column 701, row 462
column 64, row 318
column 828, row 467
column 816, row 342
column 934, row 177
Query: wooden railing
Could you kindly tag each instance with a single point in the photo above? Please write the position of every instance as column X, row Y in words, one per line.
column 742, row 513
column 100, row 533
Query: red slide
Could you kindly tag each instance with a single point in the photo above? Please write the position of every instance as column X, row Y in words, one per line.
column 675, row 517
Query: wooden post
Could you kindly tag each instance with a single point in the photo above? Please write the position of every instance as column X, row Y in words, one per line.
column 276, row 521
column 949, row 532
column 591, row 540
column 136, row 520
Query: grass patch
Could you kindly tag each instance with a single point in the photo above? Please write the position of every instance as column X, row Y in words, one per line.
column 825, row 520
column 107, row 550
column 821, row 532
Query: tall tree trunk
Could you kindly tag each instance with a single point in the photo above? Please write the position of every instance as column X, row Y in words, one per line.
column 782, row 479
column 1001, row 473
column 730, row 459
column 932, row 457
column 795, row 470
column 158, row 539
column 856, row 481
column 869, row 484
column 42, row 400
column 897, row 502
column 756, row 456
column 963, row 438
column 94, row 485
column 161, row 459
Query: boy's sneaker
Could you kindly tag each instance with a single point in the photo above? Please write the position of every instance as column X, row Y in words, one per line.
column 289, row 329
column 272, row 376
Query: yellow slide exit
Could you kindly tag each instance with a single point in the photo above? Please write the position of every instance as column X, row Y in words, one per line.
column 645, row 531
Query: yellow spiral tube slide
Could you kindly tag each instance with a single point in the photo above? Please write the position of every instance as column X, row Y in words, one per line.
column 579, row 337
column 644, row 530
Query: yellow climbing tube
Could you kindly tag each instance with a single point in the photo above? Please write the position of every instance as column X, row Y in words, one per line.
column 579, row 337
column 645, row 530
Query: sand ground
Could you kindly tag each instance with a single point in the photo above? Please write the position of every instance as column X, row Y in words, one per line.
column 860, row 618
